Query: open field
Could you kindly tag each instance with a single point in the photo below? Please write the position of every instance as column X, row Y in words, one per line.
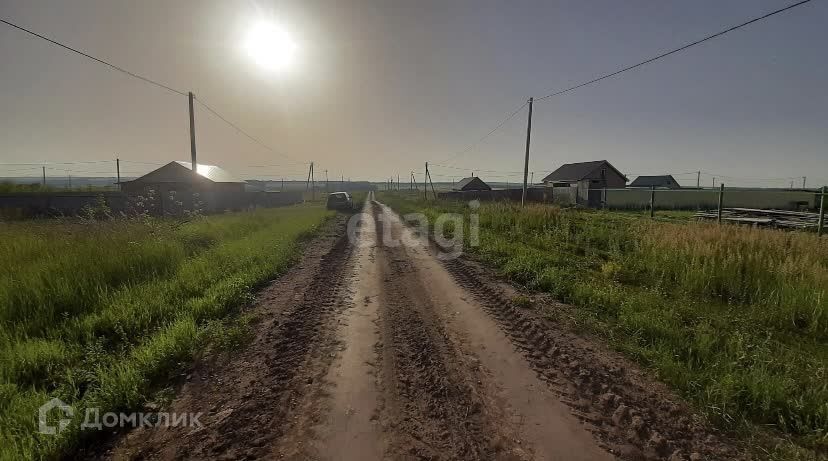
column 100, row 313
column 733, row 318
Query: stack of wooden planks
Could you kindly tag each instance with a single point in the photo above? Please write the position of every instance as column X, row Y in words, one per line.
column 758, row 217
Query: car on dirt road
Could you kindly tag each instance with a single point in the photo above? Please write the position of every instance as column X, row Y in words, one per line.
column 340, row 201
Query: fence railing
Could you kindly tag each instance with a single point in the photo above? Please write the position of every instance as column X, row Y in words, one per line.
column 790, row 208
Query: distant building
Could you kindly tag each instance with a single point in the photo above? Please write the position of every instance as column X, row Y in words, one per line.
column 472, row 183
column 179, row 177
column 175, row 188
column 659, row 182
column 588, row 178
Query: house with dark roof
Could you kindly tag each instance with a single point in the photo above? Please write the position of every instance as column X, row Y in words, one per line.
column 175, row 188
column 589, row 178
column 180, row 177
column 471, row 183
column 659, row 182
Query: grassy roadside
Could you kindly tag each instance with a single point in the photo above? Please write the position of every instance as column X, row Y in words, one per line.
column 97, row 313
column 733, row 318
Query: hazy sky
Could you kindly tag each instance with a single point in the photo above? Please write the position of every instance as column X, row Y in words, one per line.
column 380, row 87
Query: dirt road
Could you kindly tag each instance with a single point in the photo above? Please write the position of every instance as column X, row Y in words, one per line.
column 371, row 349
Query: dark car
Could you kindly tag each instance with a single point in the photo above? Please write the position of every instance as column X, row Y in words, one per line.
column 340, row 201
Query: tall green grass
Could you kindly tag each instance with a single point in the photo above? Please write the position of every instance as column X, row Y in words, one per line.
column 732, row 317
column 97, row 313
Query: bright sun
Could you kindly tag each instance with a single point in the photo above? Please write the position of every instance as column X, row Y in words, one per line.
column 270, row 46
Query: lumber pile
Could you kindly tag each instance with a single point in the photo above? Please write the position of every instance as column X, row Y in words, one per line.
column 771, row 218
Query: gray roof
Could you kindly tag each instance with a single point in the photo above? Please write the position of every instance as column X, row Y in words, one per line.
column 178, row 172
column 211, row 172
column 577, row 171
column 472, row 183
column 655, row 181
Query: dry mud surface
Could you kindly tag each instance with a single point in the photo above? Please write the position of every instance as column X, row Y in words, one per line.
column 379, row 349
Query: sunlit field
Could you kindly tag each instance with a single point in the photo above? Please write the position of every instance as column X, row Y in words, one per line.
column 734, row 318
column 98, row 313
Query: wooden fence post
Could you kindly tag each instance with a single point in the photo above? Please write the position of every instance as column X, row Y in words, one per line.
column 721, row 201
column 425, row 183
column 652, row 201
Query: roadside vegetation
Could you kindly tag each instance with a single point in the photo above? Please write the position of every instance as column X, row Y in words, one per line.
column 734, row 318
column 98, row 313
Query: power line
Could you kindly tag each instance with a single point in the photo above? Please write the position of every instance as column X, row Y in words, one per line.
column 471, row 169
column 86, row 55
column 750, row 177
column 682, row 48
column 474, row 144
column 148, row 80
column 222, row 118
column 142, row 163
column 57, row 163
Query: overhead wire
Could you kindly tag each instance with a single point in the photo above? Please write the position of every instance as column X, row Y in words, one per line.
column 246, row 134
column 674, row 51
column 89, row 56
column 147, row 80
column 625, row 69
column 483, row 138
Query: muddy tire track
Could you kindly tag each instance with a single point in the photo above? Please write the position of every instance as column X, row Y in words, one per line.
column 434, row 405
column 252, row 400
column 634, row 417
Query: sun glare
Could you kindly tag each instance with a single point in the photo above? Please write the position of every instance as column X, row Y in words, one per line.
column 270, row 46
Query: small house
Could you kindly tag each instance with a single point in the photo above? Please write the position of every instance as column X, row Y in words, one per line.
column 175, row 187
column 659, row 182
column 179, row 177
column 471, row 183
column 588, row 178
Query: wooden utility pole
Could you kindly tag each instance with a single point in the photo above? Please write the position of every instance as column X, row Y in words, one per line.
column 118, row 172
column 425, row 182
column 721, row 202
column 821, row 223
column 190, row 97
column 327, row 190
column 414, row 180
column 803, row 181
column 44, row 175
column 432, row 186
column 311, row 183
column 526, row 158
column 398, row 181
column 282, row 189
column 698, row 179
column 652, row 201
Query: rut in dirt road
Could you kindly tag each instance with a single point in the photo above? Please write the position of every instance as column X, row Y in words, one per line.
column 251, row 401
column 373, row 348
column 433, row 406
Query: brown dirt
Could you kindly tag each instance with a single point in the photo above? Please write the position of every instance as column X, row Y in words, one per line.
column 380, row 351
